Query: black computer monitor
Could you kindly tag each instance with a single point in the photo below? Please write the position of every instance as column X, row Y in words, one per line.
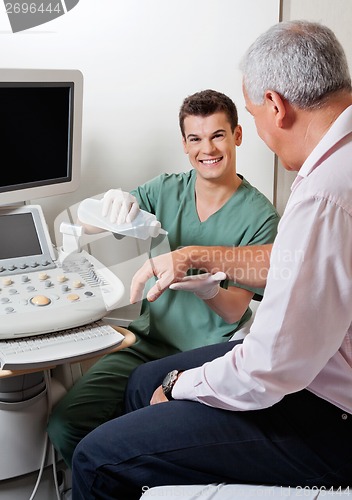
column 40, row 133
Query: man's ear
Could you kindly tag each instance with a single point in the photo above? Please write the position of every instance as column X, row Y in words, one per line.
column 238, row 135
column 276, row 105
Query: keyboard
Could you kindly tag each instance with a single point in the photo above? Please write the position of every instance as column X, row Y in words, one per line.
column 59, row 347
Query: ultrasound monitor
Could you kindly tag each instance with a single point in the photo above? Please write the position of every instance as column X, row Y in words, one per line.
column 25, row 243
column 40, row 133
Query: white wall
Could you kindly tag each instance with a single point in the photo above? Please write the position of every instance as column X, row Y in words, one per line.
column 140, row 58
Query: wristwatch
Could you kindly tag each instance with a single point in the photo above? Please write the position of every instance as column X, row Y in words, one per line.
column 168, row 383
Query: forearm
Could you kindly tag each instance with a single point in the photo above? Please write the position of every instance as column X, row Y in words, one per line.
column 230, row 304
column 247, row 265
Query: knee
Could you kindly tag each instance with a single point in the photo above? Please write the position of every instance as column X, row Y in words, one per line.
column 141, row 384
column 149, row 374
column 136, row 376
column 134, row 393
column 55, row 427
column 61, row 436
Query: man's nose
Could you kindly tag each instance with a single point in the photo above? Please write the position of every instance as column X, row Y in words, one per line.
column 208, row 147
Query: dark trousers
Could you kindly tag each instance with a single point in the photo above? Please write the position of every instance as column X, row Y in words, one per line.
column 300, row 441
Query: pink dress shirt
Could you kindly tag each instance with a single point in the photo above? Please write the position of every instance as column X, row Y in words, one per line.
column 302, row 334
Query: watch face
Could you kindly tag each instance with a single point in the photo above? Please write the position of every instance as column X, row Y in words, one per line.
column 169, row 381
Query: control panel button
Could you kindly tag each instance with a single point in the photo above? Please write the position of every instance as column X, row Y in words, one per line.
column 77, row 284
column 40, row 300
column 73, row 297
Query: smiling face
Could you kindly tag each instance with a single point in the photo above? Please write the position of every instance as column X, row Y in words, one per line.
column 211, row 145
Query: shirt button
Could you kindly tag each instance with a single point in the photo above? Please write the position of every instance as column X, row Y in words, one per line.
column 344, row 416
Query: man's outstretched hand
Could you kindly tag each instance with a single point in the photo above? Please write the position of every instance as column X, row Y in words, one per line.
column 167, row 268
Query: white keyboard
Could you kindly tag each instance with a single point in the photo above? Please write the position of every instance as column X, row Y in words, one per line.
column 58, row 347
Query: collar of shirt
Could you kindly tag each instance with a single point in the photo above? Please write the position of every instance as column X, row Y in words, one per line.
column 339, row 129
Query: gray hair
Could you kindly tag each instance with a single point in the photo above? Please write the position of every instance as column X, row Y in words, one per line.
column 300, row 60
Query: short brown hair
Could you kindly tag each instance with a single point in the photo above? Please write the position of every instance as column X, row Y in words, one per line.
column 206, row 103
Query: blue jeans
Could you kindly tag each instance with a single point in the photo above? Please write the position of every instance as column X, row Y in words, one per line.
column 300, row 441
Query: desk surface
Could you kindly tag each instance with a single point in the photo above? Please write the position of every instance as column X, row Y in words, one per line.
column 128, row 340
column 123, row 316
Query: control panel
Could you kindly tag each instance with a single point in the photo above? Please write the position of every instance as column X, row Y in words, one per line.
column 41, row 293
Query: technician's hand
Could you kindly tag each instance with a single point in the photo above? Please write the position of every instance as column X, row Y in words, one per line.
column 120, row 206
column 206, row 286
column 168, row 268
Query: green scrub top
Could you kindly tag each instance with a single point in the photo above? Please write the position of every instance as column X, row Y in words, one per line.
column 179, row 320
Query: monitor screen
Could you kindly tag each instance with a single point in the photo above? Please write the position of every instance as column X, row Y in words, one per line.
column 40, row 133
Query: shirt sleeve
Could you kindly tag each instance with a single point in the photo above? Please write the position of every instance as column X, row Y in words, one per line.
column 300, row 323
column 147, row 193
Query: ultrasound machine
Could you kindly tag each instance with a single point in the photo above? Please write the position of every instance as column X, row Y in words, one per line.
column 52, row 300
